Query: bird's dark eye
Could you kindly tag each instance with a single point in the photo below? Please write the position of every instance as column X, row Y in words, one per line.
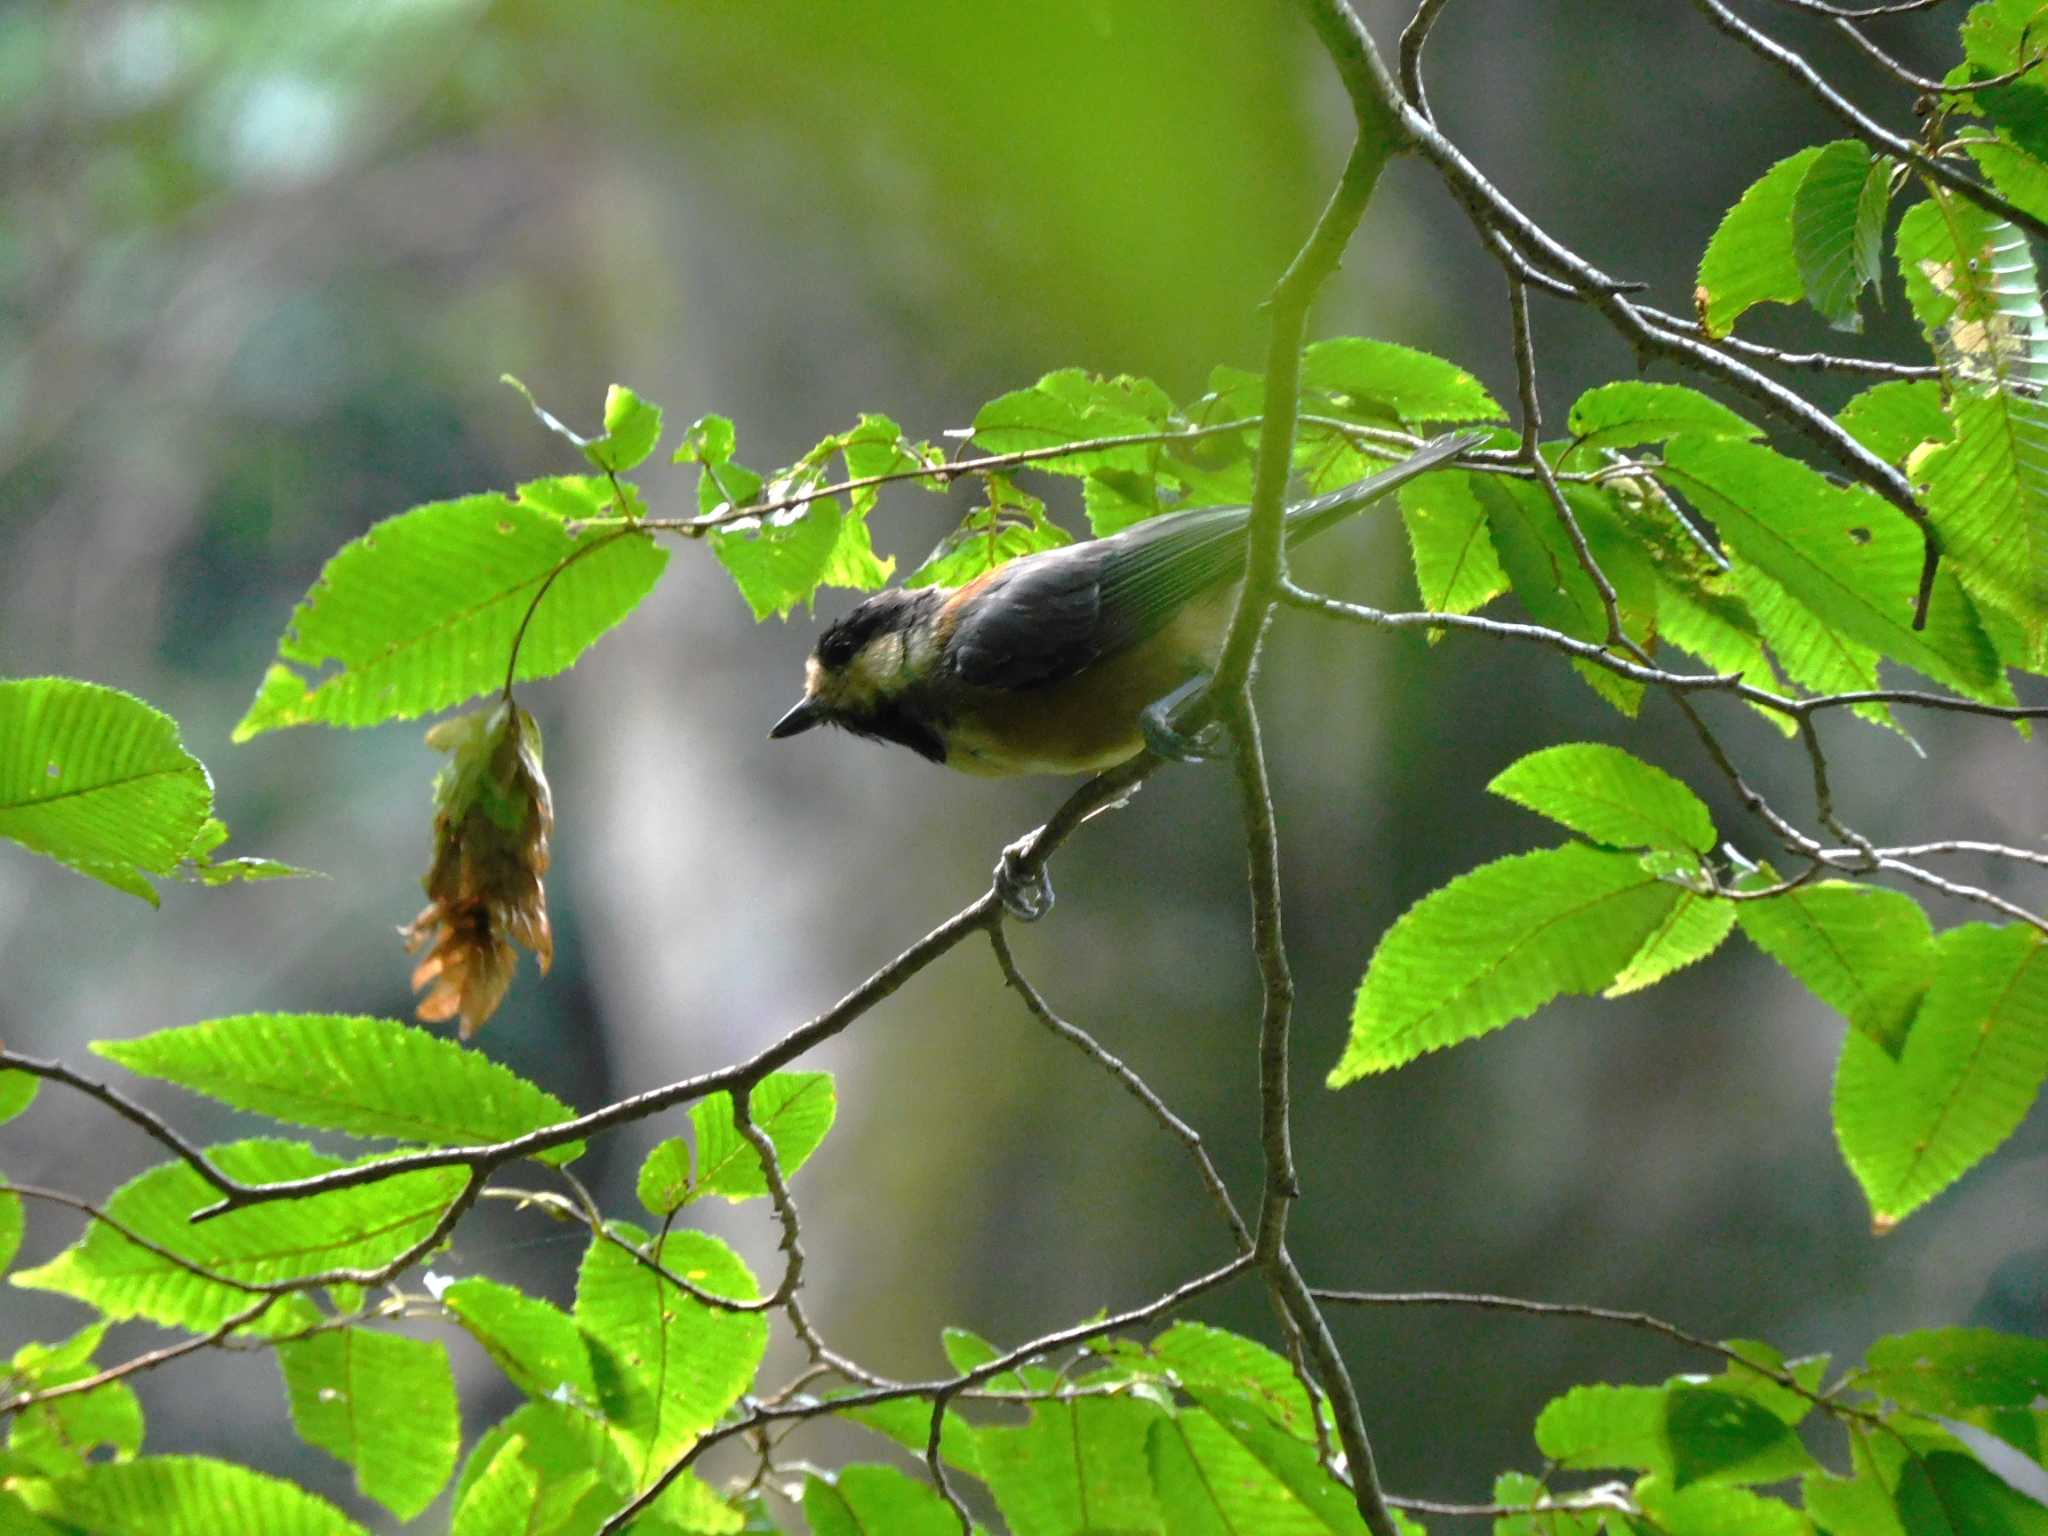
column 837, row 648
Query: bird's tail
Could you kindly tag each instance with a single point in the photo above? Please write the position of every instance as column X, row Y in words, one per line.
column 1309, row 518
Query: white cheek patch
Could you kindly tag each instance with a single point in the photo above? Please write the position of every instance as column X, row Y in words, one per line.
column 877, row 671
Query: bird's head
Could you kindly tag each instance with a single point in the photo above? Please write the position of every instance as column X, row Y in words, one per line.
column 874, row 672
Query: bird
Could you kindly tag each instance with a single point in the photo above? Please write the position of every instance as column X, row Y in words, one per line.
column 1068, row 660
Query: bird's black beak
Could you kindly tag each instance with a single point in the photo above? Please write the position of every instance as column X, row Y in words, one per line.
column 798, row 720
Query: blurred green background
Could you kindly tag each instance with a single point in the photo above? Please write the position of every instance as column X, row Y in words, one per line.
column 261, row 266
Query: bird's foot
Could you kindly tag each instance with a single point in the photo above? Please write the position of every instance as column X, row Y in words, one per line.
column 1155, row 724
column 1025, row 894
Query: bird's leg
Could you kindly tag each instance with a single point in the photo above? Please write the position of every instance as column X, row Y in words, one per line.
column 1026, row 896
column 1155, row 724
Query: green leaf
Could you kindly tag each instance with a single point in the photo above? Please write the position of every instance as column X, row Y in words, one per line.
column 1536, row 552
column 1957, row 1370
column 1838, row 229
column 1075, row 1467
column 1849, row 1507
column 380, row 1402
column 422, row 612
column 1751, row 258
column 1495, row 945
column 1690, row 932
column 1604, row 794
column 1518, row 1490
column 709, row 440
column 664, row 1181
column 1379, row 381
column 872, row 1500
column 1291, row 1465
column 1630, row 412
column 17, row 1092
column 1946, row 1494
column 1713, row 1509
column 1729, row 1438
column 506, row 1496
column 98, row 780
column 667, row 1365
column 1211, row 1484
column 1456, row 570
column 631, row 429
column 908, row 1422
column 581, row 1476
column 1210, row 1360
column 65, row 1434
column 796, row 1109
column 1842, row 552
column 1895, row 418
column 1866, row 952
column 360, row 1227
column 1813, row 654
column 1073, row 406
column 1973, row 286
column 536, row 1344
column 1013, row 524
column 340, row 1072
column 779, row 562
column 12, row 1224
column 1605, row 1426
column 192, row 1496
column 1972, row 1065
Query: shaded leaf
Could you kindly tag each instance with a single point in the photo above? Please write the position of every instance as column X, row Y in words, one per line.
column 870, row 1500
column 536, row 1344
column 1866, row 952
column 1838, row 229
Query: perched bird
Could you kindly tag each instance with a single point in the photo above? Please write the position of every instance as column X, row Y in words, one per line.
column 1065, row 661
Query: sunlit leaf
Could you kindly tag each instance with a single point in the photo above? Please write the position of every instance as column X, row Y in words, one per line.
column 1865, row 951
column 380, row 1402
column 1609, row 796
column 796, row 1109
column 192, row 1496
column 1751, row 258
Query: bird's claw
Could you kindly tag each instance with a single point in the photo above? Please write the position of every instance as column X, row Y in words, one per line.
column 1155, row 724
column 1025, row 894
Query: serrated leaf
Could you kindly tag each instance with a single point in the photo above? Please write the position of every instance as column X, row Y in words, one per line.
column 1866, row 952
column 360, row 1227
column 421, row 613
column 908, row 1422
column 1974, row 288
column 1073, row 406
column 667, row 1365
column 1691, row 931
column 63, row 1435
column 1518, row 1490
column 1495, row 945
column 1378, row 380
column 1211, row 1484
column 1456, row 569
column 1609, row 796
column 632, row 427
column 536, row 1344
column 1838, row 229
column 192, row 1496
column 663, row 1183
column 1973, row 1063
column 1751, row 258
column 1013, row 524
column 342, row 1072
column 1605, row 1426
column 869, row 1500
column 1205, row 1359
column 709, row 440
column 796, row 1109
column 98, row 780
column 1958, row 1370
column 580, row 1472
column 383, row 1404
column 1631, row 412
column 1895, row 418
column 505, row 1496
column 1841, row 552
column 1817, row 656
column 779, row 563
column 1724, row 1437
column 1074, row 1467
column 1849, row 1507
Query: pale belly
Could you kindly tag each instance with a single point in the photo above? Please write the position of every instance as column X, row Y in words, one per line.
column 1090, row 721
